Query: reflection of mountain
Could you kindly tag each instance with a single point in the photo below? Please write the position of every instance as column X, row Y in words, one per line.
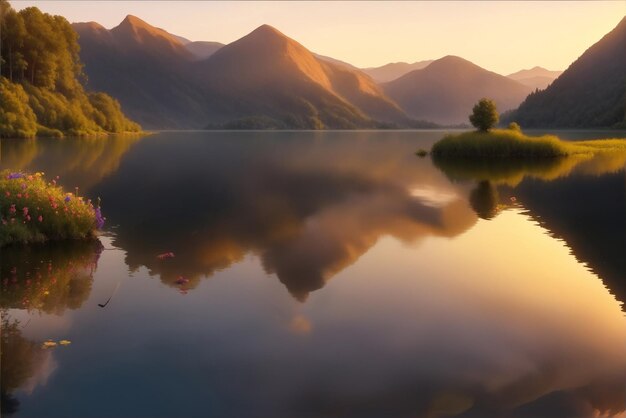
column 594, row 227
column 48, row 278
column 308, row 207
column 83, row 164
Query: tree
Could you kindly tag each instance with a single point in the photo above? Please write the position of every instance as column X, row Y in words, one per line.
column 484, row 115
column 5, row 7
column 14, row 33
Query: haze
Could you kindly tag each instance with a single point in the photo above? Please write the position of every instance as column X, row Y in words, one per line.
column 501, row 36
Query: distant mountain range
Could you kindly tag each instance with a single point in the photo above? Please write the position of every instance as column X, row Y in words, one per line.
column 394, row 70
column 536, row 77
column 267, row 80
column 445, row 91
column 590, row 93
column 263, row 80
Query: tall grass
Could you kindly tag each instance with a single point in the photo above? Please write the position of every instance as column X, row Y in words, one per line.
column 507, row 143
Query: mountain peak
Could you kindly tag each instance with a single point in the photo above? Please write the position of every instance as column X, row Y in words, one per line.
column 134, row 21
column 134, row 32
column 267, row 29
column 452, row 60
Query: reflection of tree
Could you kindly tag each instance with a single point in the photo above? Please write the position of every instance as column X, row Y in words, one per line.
column 48, row 278
column 81, row 162
column 19, row 359
column 17, row 154
column 484, row 199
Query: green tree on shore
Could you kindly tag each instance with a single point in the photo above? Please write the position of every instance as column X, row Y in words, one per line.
column 40, row 80
column 484, row 115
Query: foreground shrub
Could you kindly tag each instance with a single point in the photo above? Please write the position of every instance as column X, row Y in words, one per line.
column 32, row 210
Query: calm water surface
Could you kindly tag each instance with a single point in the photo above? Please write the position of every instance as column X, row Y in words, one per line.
column 319, row 274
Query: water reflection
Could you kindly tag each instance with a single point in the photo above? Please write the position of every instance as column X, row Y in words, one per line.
column 81, row 162
column 590, row 215
column 513, row 171
column 306, row 212
column 578, row 199
column 440, row 298
column 22, row 361
column 48, row 278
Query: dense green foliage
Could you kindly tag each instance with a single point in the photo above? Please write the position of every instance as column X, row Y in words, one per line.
column 17, row 119
column 484, row 115
column 590, row 93
column 40, row 80
column 507, row 143
column 32, row 210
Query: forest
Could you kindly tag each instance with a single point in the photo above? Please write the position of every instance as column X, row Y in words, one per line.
column 42, row 78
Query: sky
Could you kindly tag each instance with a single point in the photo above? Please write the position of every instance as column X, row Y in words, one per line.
column 501, row 36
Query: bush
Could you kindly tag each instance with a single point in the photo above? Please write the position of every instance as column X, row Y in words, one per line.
column 514, row 126
column 32, row 210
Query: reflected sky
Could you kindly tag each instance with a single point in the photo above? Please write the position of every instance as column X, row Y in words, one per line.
column 330, row 274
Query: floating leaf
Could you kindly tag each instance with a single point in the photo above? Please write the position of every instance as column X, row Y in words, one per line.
column 48, row 344
column 65, row 342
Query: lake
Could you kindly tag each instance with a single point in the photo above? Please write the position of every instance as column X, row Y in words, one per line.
column 319, row 274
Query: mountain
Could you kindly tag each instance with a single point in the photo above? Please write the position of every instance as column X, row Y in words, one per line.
column 590, row 93
column 266, row 74
column 394, row 70
column 536, row 77
column 147, row 69
column 334, row 61
column 203, row 49
column 445, row 91
column 263, row 80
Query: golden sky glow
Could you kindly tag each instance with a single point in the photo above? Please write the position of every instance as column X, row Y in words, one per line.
column 500, row 36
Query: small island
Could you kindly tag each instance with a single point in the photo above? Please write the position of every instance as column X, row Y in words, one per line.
column 487, row 143
column 33, row 210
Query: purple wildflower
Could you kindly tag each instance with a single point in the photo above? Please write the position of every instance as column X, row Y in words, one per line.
column 67, row 198
column 12, row 176
column 99, row 218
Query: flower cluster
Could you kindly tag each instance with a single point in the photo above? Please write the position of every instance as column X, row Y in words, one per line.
column 33, row 210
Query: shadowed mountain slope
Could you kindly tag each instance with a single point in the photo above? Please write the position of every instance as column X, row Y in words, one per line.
column 146, row 69
column 590, row 93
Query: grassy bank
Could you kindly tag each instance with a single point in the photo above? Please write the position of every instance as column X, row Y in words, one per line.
column 508, row 143
column 33, row 210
